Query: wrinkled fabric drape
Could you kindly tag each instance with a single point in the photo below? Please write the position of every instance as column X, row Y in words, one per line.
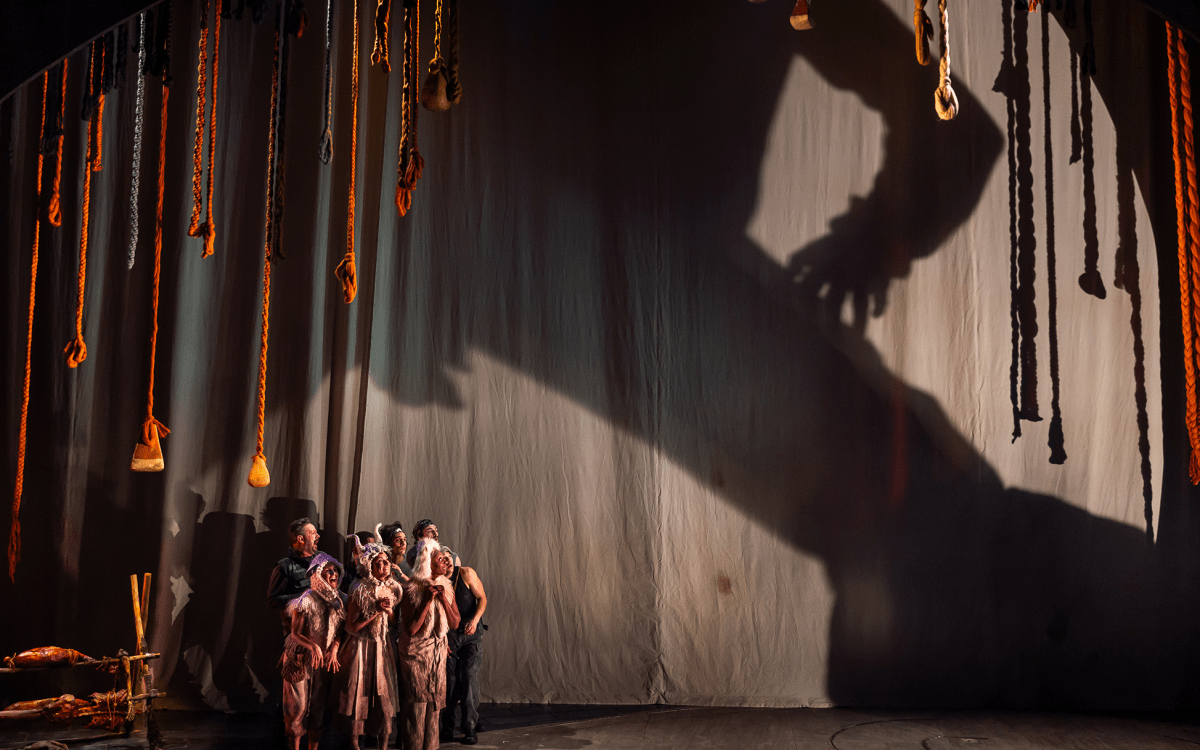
column 697, row 344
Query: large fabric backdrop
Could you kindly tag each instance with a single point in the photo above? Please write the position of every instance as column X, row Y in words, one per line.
column 705, row 342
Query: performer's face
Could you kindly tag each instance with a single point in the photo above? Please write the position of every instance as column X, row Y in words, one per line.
column 331, row 576
column 399, row 543
column 430, row 532
column 307, row 540
column 381, row 567
column 441, row 564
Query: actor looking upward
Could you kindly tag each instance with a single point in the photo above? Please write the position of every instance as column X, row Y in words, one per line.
column 365, row 688
column 311, row 651
column 465, row 655
column 289, row 579
column 393, row 535
column 427, row 612
column 425, row 530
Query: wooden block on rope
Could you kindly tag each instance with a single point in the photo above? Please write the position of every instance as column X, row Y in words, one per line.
column 800, row 20
column 148, row 457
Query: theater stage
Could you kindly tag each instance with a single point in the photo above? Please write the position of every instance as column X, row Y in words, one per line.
column 681, row 728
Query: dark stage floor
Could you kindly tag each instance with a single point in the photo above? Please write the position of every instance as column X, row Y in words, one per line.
column 558, row 727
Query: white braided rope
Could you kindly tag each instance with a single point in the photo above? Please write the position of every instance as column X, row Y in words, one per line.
column 945, row 101
column 139, row 110
column 325, row 148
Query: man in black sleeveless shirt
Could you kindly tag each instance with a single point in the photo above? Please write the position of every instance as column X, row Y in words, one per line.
column 466, row 654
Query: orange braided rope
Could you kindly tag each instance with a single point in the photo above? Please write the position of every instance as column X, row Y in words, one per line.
column 346, row 271
column 150, row 423
column 76, row 350
column 1185, row 294
column 55, row 209
column 209, row 227
column 14, row 534
column 259, row 476
column 411, row 162
column 198, row 149
column 1192, row 210
column 96, row 166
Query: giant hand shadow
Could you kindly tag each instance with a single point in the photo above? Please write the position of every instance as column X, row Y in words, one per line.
column 993, row 595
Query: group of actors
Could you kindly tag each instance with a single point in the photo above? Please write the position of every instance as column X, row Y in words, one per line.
column 396, row 637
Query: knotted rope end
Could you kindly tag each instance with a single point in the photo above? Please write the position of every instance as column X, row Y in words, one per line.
column 54, row 211
column 433, row 93
column 210, row 239
column 259, row 476
column 76, row 352
column 347, row 274
column 325, row 149
column 945, row 101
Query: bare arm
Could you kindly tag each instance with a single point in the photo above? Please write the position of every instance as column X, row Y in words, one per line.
column 297, row 628
column 476, row 587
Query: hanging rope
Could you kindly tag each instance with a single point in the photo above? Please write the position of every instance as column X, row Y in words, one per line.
column 453, row 87
column 207, row 230
column 411, row 162
column 923, row 29
column 346, row 271
column 434, row 92
column 325, row 148
column 259, row 476
column 100, row 89
column 379, row 54
column 76, row 350
column 89, row 87
column 148, row 455
column 1187, row 232
column 54, row 210
column 139, row 115
column 198, row 149
column 288, row 15
column 209, row 227
column 945, row 101
column 14, row 534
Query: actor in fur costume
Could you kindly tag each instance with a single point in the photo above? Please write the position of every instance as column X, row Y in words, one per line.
column 428, row 611
column 310, row 651
column 366, row 693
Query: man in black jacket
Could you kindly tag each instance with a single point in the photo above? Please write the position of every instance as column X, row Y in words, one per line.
column 289, row 579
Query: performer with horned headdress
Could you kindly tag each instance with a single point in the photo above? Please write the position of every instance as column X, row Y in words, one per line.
column 366, row 693
column 310, row 651
column 427, row 612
